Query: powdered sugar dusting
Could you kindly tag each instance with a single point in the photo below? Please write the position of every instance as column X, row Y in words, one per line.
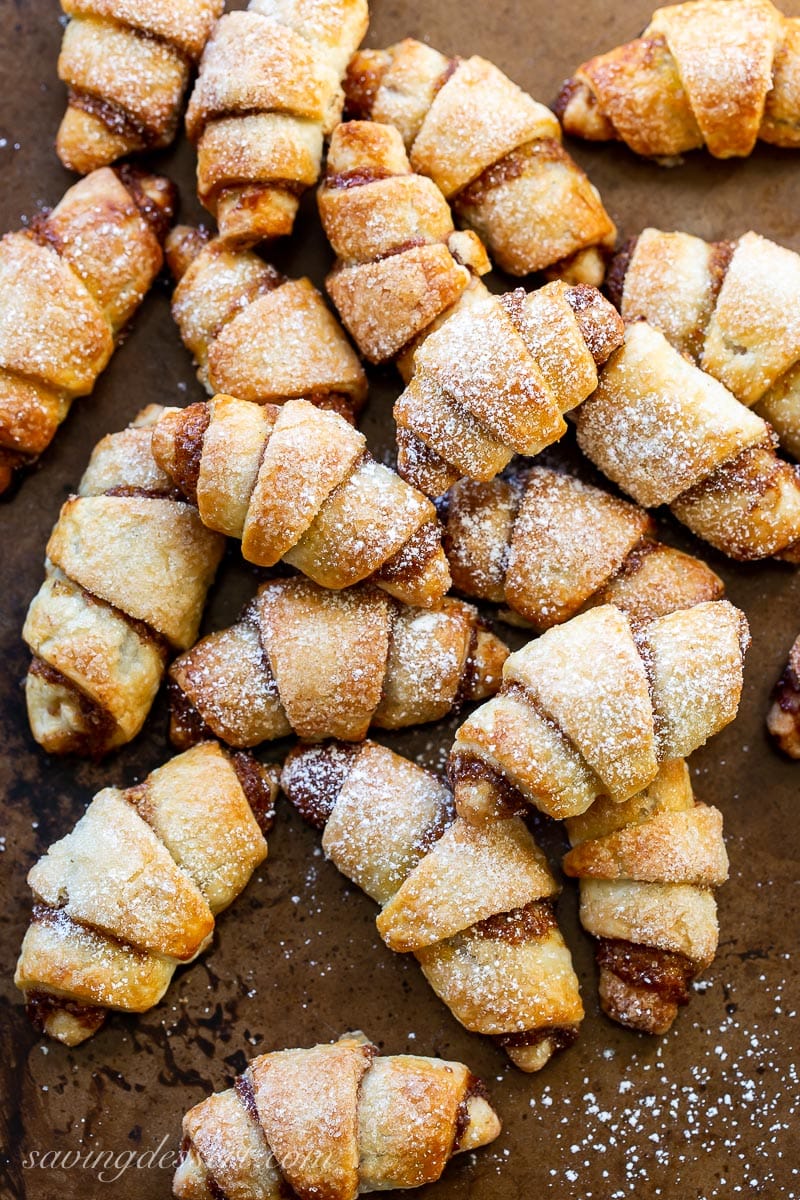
column 645, row 1122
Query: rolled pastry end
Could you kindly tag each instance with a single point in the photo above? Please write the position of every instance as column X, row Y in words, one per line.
column 532, row 1051
column 486, row 666
column 63, row 720
column 481, row 1122
column 182, row 247
column 191, row 1178
column 8, row 461
column 85, row 142
column 587, row 266
column 62, row 1019
column 419, row 574
column 482, row 794
column 362, row 80
column 155, row 196
column 249, row 215
column 579, row 113
column 641, row 987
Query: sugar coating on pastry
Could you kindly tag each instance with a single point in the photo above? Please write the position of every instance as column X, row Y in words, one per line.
column 297, row 484
column 126, row 66
column 593, row 706
column 330, row 663
column 548, row 546
column 336, row 1120
column 494, row 152
column 648, row 868
column 100, row 645
column 267, row 92
column 705, row 73
column 254, row 333
column 669, row 433
column 732, row 306
column 487, row 376
column 133, row 890
column 473, row 903
column 69, row 284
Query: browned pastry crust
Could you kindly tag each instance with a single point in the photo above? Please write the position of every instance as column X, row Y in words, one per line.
column 494, row 152
column 268, row 91
column 733, row 306
column 549, row 547
column 592, row 707
column 473, row 903
column 647, row 869
column 128, row 567
column 133, row 890
column 495, row 379
column 401, row 264
column 487, row 376
column 297, row 484
column 329, row 664
column 256, row 334
column 714, row 73
column 668, row 433
column 332, row 1122
column 783, row 718
column 126, row 64
column 68, row 285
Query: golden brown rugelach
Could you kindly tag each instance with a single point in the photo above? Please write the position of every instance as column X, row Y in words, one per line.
column 401, row 264
column 714, row 73
column 473, row 903
column 668, row 433
column 494, row 152
column 132, row 891
column 549, row 546
column 647, row 869
column 126, row 64
column 592, row 707
column 783, row 718
column 496, row 378
column 297, row 484
column 335, row 1121
column 254, row 333
column 734, row 307
column 325, row 664
column 69, row 283
column 487, row 376
column 128, row 566
column 267, row 93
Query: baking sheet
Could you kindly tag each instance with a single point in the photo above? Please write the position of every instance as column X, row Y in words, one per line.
column 707, row 1110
